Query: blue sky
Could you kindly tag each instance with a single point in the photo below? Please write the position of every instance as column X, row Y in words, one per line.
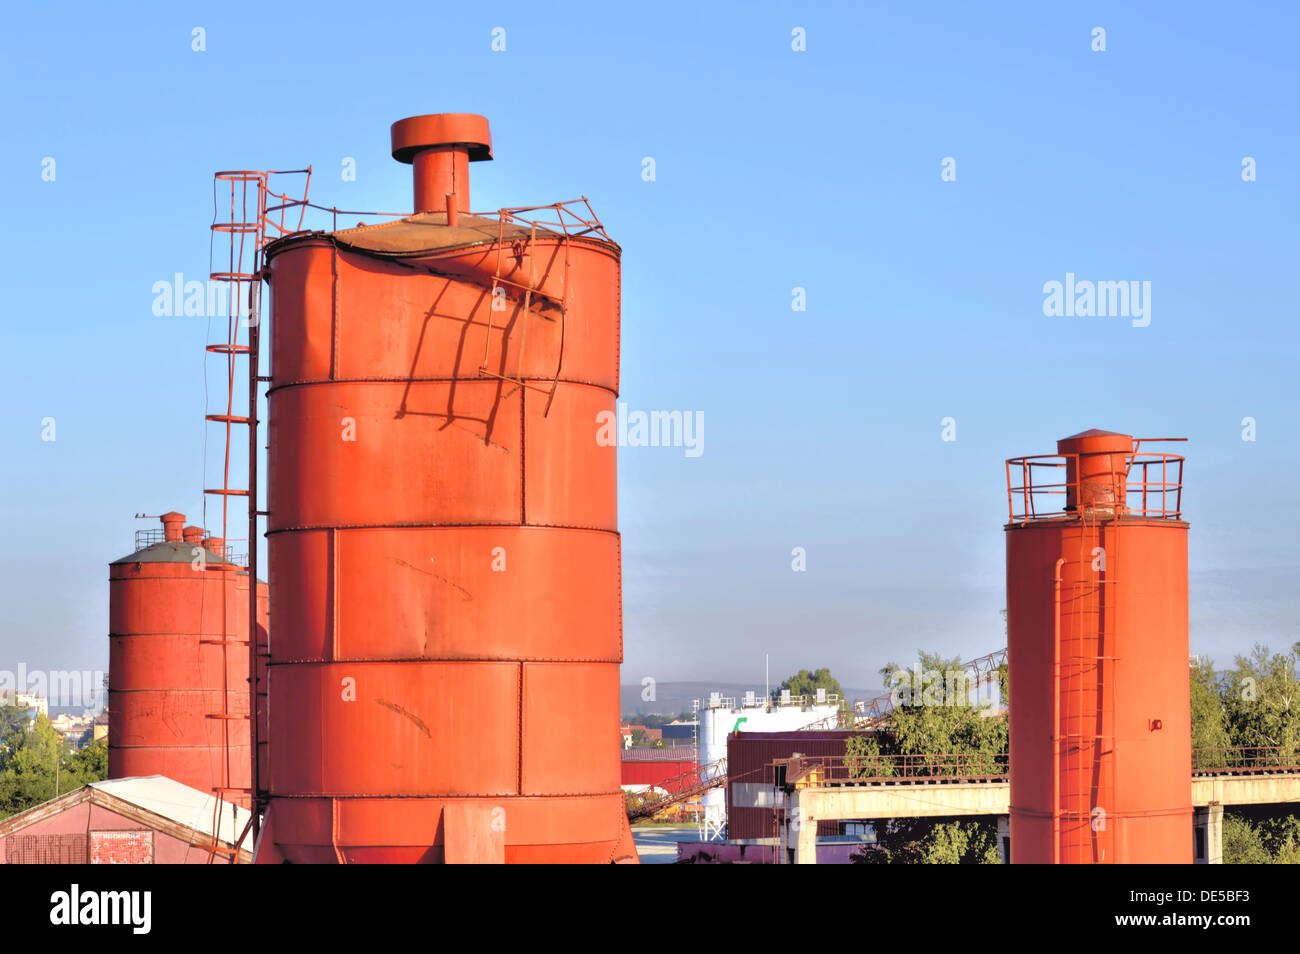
column 775, row 169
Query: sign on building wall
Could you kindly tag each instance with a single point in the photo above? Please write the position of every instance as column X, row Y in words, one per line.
column 121, row 847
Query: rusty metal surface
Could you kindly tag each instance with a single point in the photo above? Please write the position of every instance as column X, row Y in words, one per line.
column 443, row 539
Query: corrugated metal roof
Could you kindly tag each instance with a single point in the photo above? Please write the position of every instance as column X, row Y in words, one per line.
column 177, row 802
column 682, row 753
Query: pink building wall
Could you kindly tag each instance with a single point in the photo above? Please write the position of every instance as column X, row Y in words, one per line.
column 87, row 817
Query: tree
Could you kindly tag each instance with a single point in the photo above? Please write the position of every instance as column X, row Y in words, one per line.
column 805, row 683
column 922, row 723
column 938, row 715
column 1255, row 704
column 39, row 765
column 1261, row 701
column 919, row 841
column 89, row 763
column 1209, row 721
column 33, row 769
column 1241, row 842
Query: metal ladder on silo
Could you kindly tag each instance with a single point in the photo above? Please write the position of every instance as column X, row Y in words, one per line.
column 250, row 218
column 1093, row 738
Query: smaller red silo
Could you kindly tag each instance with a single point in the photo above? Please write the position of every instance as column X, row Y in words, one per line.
column 178, row 665
column 1100, row 711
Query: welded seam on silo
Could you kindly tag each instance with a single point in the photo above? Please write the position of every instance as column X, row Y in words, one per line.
column 427, row 379
column 519, row 734
column 334, row 311
column 305, row 528
column 523, row 436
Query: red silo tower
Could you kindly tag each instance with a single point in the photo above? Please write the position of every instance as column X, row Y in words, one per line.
column 178, row 663
column 1097, row 643
column 442, row 529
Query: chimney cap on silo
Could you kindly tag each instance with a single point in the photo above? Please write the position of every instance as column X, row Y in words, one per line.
column 417, row 133
column 1094, row 434
column 172, row 523
column 192, row 534
column 1096, row 470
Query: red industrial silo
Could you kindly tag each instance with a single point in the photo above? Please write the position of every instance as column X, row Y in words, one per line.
column 178, row 665
column 1097, row 643
column 444, row 554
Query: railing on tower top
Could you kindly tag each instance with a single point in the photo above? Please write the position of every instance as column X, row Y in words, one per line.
column 147, row 538
column 1152, row 485
column 572, row 218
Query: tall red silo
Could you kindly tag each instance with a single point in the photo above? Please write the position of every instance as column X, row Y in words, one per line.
column 1097, row 643
column 178, row 664
column 442, row 530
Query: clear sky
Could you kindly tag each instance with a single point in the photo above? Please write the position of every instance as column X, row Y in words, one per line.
column 775, row 168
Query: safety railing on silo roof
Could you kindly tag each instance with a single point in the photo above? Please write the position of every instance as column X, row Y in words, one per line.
column 147, row 538
column 1157, row 494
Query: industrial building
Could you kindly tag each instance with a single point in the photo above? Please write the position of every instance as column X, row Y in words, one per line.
column 149, row 820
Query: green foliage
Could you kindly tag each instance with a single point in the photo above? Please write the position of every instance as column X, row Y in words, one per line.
column 1209, row 721
column 918, row 841
column 90, row 762
column 923, row 723
column 1253, row 836
column 1241, row 842
column 1256, row 704
column 1261, row 700
column 36, row 764
column 941, row 717
column 805, row 683
column 655, row 720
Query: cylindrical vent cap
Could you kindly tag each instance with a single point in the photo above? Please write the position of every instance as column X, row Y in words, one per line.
column 440, row 148
column 172, row 523
column 1096, row 469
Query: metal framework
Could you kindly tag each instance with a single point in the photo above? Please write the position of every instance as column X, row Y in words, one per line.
column 255, row 214
column 567, row 223
column 1134, row 497
column 847, row 769
column 682, row 787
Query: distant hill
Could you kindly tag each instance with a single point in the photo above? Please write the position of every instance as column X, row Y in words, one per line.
column 672, row 698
